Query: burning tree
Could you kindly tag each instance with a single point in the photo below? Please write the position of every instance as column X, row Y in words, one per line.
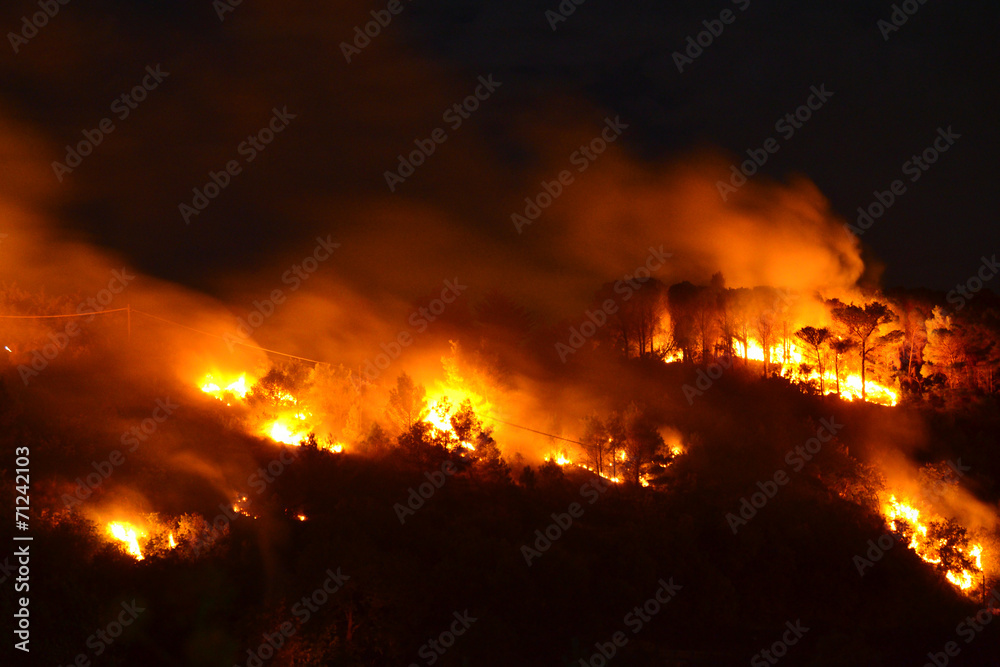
column 407, row 403
column 839, row 347
column 815, row 338
column 596, row 442
column 863, row 325
column 642, row 442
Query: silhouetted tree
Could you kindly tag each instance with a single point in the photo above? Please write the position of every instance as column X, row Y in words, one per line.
column 863, row 324
column 840, row 347
column 815, row 338
column 406, row 403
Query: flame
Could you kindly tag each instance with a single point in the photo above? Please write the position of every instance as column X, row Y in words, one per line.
column 171, row 540
column 290, row 428
column 289, row 434
column 129, row 536
column 789, row 367
column 446, row 399
column 927, row 549
column 240, row 507
column 560, row 458
column 237, row 387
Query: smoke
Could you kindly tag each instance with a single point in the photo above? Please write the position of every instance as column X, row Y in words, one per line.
column 224, row 279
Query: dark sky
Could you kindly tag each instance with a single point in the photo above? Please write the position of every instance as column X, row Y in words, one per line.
column 939, row 69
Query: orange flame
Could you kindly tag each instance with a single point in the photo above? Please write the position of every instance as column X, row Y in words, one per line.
column 129, row 536
column 928, row 549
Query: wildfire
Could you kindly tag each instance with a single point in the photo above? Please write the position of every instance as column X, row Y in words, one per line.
column 905, row 519
column 284, row 432
column 561, row 459
column 442, row 404
column 290, row 427
column 788, row 361
column 237, row 387
column 240, row 507
column 129, row 536
column 138, row 541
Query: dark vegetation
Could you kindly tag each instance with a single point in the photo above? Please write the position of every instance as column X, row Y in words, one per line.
column 462, row 549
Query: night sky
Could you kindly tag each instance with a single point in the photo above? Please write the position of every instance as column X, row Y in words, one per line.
column 325, row 172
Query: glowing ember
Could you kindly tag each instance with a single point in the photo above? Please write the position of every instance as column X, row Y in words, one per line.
column 129, row 536
column 301, row 517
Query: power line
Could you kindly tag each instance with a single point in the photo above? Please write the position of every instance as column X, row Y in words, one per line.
column 50, row 317
column 252, row 347
column 575, row 442
column 230, row 341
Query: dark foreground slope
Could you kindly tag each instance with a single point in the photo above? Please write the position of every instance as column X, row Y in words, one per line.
column 396, row 586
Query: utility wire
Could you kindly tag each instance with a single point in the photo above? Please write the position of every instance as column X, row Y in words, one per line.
column 234, row 342
column 575, row 442
column 50, row 317
column 252, row 347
